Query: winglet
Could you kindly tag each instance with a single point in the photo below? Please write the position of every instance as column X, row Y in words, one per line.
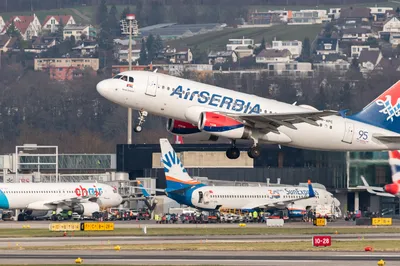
column 343, row 112
column 311, row 192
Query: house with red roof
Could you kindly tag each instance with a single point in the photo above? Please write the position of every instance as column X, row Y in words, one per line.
column 28, row 26
column 2, row 23
column 51, row 23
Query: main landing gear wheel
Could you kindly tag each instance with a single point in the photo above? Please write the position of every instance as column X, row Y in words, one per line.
column 233, row 153
column 142, row 119
column 254, row 152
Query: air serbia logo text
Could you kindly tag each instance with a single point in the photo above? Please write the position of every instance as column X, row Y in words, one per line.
column 388, row 108
column 92, row 191
column 170, row 159
column 204, row 97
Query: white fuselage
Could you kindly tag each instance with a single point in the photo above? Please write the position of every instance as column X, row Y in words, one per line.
column 158, row 94
column 48, row 196
column 232, row 197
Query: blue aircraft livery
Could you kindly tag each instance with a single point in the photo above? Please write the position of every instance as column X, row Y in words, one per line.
column 216, row 100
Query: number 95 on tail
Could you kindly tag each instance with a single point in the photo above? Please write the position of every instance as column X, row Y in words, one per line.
column 322, row 241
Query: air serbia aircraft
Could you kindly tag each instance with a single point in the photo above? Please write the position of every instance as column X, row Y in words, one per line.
column 83, row 198
column 206, row 112
column 185, row 190
column 390, row 190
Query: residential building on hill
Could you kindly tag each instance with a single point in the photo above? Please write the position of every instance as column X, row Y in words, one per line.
column 51, row 23
column 77, row 30
column 28, row 26
column 272, row 55
column 293, row 46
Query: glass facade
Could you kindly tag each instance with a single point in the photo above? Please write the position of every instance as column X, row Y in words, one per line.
column 71, row 162
column 374, row 166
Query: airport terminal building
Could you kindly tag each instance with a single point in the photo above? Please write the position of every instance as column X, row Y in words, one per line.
column 339, row 172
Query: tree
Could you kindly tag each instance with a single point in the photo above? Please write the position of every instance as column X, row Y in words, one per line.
column 125, row 12
column 398, row 10
column 143, row 54
column 355, row 64
column 72, row 40
column 101, row 12
column 159, row 43
column 83, row 37
column 12, row 31
column 306, row 50
column 150, row 47
column 261, row 47
column 113, row 21
column 328, row 30
column 60, row 29
column 372, row 41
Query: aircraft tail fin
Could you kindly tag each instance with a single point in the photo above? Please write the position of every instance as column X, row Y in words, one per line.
column 311, row 192
column 176, row 175
column 382, row 111
column 394, row 162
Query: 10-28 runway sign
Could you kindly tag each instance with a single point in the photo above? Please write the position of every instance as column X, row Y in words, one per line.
column 83, row 226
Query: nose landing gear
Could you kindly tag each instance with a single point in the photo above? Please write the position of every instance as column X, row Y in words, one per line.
column 141, row 120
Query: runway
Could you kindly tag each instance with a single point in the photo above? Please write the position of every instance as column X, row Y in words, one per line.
column 69, row 240
column 191, row 258
column 152, row 224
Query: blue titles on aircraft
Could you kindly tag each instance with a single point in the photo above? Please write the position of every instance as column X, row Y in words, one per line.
column 204, row 97
column 299, row 192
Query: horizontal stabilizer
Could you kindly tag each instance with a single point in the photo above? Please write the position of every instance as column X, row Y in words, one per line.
column 379, row 191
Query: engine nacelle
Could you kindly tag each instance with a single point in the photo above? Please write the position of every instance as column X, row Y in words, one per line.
column 220, row 125
column 188, row 131
column 87, row 208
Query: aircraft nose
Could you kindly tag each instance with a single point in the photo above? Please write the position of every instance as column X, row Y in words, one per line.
column 101, row 87
column 392, row 188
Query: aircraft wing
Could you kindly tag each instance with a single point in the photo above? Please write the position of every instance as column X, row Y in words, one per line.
column 273, row 121
column 66, row 200
column 379, row 191
column 392, row 139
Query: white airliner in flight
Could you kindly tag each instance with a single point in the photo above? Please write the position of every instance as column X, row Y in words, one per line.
column 185, row 190
column 389, row 190
column 206, row 112
column 83, row 198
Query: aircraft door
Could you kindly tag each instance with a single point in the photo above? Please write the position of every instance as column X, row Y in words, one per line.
column 200, row 197
column 348, row 133
column 152, row 84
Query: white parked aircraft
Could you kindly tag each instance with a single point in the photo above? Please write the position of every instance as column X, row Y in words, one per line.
column 185, row 190
column 389, row 190
column 206, row 112
column 83, row 198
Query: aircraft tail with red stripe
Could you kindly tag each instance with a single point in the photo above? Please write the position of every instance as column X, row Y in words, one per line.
column 176, row 176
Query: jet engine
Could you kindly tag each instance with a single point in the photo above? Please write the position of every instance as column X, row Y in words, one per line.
column 87, row 208
column 188, row 131
column 223, row 126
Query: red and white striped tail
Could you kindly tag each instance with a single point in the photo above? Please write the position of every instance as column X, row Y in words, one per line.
column 178, row 139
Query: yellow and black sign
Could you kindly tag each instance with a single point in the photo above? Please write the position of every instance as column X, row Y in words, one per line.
column 381, row 221
column 97, row 226
column 320, row 221
column 56, row 227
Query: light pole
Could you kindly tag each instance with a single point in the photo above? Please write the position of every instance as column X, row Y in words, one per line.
column 130, row 18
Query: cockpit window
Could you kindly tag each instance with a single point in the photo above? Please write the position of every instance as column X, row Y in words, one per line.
column 130, row 79
column 117, row 77
column 124, row 78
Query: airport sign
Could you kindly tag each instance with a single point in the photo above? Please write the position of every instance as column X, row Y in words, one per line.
column 97, row 226
column 57, row 227
column 322, row 241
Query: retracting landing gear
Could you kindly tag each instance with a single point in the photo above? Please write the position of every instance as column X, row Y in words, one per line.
column 255, row 151
column 141, row 120
column 233, row 152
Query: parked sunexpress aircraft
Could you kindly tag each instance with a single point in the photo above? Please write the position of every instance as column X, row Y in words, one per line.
column 83, row 198
column 185, row 190
column 206, row 112
column 389, row 190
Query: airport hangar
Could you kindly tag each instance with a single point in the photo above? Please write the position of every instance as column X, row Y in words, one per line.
column 339, row 172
